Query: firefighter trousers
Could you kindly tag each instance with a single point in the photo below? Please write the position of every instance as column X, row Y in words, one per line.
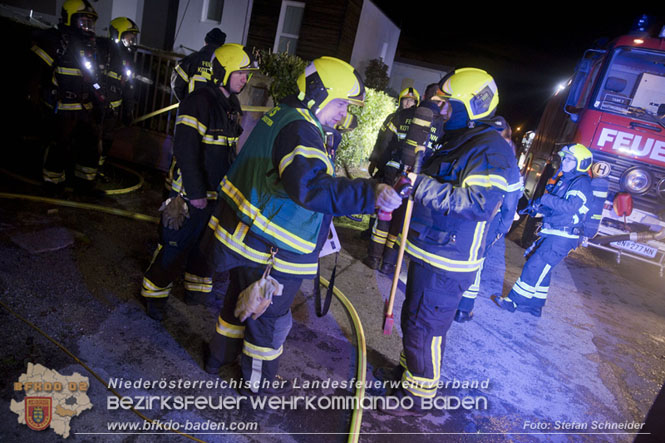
column 489, row 277
column 178, row 249
column 383, row 243
column 531, row 288
column 427, row 313
column 109, row 125
column 74, row 149
column 258, row 342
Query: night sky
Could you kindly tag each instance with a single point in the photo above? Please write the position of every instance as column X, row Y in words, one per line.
column 527, row 53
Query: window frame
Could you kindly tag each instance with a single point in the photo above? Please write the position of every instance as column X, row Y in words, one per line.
column 280, row 24
column 204, row 13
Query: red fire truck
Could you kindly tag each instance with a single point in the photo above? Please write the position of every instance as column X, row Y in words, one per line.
column 615, row 105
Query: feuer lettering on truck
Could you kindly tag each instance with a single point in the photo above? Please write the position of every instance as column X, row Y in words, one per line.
column 632, row 144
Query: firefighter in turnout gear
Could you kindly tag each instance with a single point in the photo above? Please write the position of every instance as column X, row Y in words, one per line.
column 492, row 277
column 194, row 70
column 276, row 206
column 207, row 131
column 408, row 98
column 382, row 250
column 459, row 191
column 70, row 87
column 564, row 208
column 117, row 70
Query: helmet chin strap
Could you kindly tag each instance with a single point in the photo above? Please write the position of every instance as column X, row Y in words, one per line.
column 225, row 91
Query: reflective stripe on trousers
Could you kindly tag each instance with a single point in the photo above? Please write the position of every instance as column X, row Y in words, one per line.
column 427, row 313
column 260, row 341
column 532, row 286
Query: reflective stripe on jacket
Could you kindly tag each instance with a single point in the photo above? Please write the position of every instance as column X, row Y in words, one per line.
column 462, row 189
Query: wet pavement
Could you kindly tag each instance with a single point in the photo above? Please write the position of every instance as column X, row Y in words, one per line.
column 593, row 363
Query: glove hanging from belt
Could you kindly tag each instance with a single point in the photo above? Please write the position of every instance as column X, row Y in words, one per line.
column 174, row 212
column 255, row 299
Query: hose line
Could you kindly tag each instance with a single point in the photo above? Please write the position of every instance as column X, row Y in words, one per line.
column 361, row 369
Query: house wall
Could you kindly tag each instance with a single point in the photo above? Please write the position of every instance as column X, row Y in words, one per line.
column 132, row 9
column 322, row 31
column 405, row 75
column 191, row 32
column 328, row 27
column 376, row 37
column 263, row 24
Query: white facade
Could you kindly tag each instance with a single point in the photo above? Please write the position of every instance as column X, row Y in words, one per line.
column 406, row 75
column 376, row 37
column 192, row 24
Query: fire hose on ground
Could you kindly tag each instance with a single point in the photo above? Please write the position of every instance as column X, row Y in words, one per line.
column 361, row 368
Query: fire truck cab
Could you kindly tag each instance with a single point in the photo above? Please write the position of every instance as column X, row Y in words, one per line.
column 615, row 105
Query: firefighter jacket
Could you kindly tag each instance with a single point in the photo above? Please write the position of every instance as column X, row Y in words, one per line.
column 117, row 74
column 207, row 131
column 380, row 154
column 501, row 224
column 459, row 192
column 503, row 221
column 386, row 154
column 281, row 193
column 192, row 72
column 69, row 69
column 566, row 205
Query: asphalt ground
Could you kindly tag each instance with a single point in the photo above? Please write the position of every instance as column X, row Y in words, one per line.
column 595, row 358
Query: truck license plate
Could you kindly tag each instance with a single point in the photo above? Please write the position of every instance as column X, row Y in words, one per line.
column 638, row 248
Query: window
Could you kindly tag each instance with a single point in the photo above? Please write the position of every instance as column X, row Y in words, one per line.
column 633, row 84
column 288, row 27
column 212, row 10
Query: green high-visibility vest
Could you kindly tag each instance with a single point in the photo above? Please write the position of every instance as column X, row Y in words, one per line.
column 252, row 187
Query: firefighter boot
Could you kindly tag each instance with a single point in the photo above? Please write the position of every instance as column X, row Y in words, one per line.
column 504, row 303
column 387, row 268
column 156, row 308
column 387, row 373
column 279, row 386
column 372, row 262
column 463, row 316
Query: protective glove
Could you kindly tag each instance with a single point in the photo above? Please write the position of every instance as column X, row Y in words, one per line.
column 387, row 200
column 531, row 209
column 174, row 212
column 255, row 299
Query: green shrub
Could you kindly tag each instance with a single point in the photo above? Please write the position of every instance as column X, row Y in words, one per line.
column 358, row 144
column 376, row 75
column 284, row 70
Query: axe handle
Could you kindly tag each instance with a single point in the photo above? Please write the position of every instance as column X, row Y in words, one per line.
column 400, row 256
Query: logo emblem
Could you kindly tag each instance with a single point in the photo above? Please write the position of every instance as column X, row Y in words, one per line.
column 601, row 169
column 38, row 412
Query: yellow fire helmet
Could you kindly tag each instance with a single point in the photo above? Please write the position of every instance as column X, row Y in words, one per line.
column 409, row 93
column 474, row 88
column 329, row 78
column 229, row 58
column 582, row 155
column 119, row 26
column 71, row 8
